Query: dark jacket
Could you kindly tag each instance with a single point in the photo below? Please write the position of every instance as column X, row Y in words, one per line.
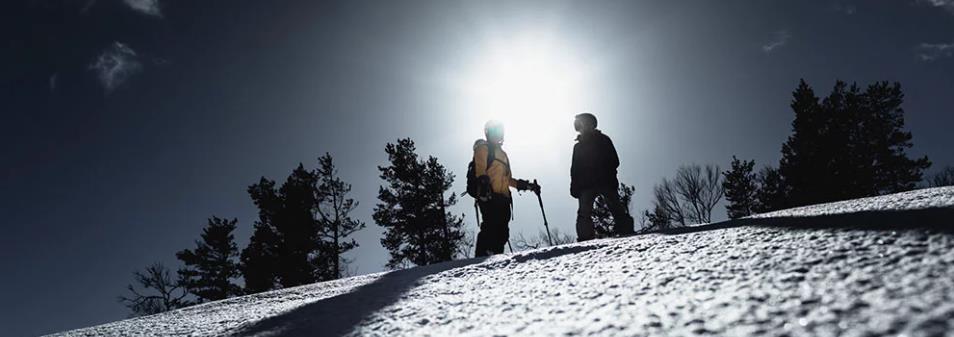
column 594, row 163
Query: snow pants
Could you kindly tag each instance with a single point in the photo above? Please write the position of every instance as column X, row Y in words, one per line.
column 494, row 230
column 584, row 219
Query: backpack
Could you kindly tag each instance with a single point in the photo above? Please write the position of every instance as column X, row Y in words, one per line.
column 479, row 187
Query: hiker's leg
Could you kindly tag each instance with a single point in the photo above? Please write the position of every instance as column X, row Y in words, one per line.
column 584, row 219
column 485, row 238
column 493, row 232
column 501, row 221
column 623, row 222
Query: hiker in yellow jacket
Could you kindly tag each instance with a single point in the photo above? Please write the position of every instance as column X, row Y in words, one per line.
column 492, row 167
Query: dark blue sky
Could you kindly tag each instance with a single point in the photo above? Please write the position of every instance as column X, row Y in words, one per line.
column 123, row 125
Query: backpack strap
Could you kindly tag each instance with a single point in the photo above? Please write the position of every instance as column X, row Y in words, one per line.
column 490, row 156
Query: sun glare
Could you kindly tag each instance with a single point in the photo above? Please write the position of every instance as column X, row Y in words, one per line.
column 533, row 84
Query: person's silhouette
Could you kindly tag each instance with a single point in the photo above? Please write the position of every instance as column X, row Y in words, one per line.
column 492, row 167
column 592, row 174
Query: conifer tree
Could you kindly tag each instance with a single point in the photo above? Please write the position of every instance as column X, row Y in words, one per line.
column 413, row 208
column 284, row 248
column 210, row 268
column 850, row 145
column 298, row 230
column 772, row 194
column 740, row 188
column 336, row 225
column 802, row 164
column 259, row 258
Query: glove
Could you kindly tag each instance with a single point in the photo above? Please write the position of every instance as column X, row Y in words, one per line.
column 522, row 185
column 535, row 188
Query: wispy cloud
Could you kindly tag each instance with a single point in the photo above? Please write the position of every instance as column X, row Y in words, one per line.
column 53, row 81
column 115, row 65
column 779, row 39
column 148, row 7
column 89, row 4
column 847, row 9
column 946, row 4
column 934, row 51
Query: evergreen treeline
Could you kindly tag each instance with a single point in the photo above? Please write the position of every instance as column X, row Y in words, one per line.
column 850, row 144
column 304, row 228
column 846, row 145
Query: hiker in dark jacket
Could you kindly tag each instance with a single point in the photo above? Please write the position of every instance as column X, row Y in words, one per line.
column 592, row 174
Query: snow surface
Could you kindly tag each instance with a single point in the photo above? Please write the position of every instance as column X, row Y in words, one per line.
column 750, row 278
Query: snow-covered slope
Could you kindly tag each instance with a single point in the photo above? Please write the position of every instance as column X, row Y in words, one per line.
column 738, row 278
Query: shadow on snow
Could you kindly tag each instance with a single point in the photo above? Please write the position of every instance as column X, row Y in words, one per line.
column 340, row 315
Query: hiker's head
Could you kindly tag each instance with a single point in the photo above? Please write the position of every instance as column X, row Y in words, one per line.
column 494, row 131
column 584, row 122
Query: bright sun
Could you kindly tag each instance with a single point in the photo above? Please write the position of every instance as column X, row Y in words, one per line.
column 531, row 83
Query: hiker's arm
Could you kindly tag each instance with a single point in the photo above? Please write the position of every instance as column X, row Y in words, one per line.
column 520, row 184
column 574, row 189
column 613, row 156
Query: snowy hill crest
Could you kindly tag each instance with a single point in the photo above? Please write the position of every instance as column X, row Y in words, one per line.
column 746, row 277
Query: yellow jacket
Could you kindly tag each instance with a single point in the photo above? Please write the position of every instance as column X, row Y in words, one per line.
column 501, row 179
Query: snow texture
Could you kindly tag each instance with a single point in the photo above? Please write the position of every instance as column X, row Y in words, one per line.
column 872, row 274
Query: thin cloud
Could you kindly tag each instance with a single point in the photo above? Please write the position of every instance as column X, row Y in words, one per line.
column 89, row 4
column 933, row 51
column 116, row 65
column 946, row 4
column 779, row 39
column 53, row 81
column 847, row 9
column 148, row 7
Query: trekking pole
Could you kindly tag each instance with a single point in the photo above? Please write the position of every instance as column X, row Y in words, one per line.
column 545, row 224
column 476, row 215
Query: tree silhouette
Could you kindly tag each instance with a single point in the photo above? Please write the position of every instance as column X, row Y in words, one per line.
column 333, row 209
column 772, row 194
column 159, row 293
column 210, row 268
column 413, row 208
column 603, row 222
column 740, row 188
column 944, row 177
column 849, row 145
column 284, row 248
column 259, row 258
column 688, row 198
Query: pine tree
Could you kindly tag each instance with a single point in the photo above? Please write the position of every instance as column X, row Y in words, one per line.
column 603, row 222
column 298, row 230
column 259, row 258
column 740, row 188
column 850, row 145
column 333, row 209
column 881, row 134
column 210, row 268
column 284, row 248
column 802, row 164
column 437, row 181
column 413, row 208
column 772, row 193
